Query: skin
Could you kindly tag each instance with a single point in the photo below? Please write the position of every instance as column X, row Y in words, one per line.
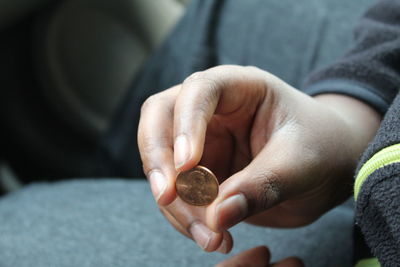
column 258, row 257
column 283, row 158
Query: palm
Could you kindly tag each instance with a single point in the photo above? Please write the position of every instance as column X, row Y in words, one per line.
column 223, row 153
column 231, row 140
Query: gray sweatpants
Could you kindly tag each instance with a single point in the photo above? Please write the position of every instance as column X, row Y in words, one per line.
column 116, row 223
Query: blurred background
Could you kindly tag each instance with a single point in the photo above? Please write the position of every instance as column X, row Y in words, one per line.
column 70, row 62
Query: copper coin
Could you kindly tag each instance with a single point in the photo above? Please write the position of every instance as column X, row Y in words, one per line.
column 197, row 186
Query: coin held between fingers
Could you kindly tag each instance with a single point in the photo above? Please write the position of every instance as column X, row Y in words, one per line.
column 198, row 186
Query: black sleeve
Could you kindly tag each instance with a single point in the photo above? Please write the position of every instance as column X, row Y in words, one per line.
column 378, row 200
column 370, row 71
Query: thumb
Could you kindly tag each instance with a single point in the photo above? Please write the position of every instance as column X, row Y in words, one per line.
column 273, row 176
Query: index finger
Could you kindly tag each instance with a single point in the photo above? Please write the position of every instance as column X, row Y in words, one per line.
column 220, row 90
column 155, row 140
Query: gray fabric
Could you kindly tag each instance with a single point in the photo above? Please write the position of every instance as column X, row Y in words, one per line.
column 285, row 37
column 116, row 223
column 88, row 51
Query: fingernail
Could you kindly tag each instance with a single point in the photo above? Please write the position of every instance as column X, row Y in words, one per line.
column 158, row 184
column 182, row 150
column 223, row 248
column 200, row 234
column 231, row 211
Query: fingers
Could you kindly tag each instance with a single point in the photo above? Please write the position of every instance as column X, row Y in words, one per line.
column 255, row 257
column 172, row 132
column 258, row 257
column 289, row 262
column 217, row 91
column 173, row 123
column 268, row 180
column 226, row 244
column 185, row 219
column 155, row 140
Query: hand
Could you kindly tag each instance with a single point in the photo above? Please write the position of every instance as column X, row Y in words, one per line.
column 283, row 158
column 258, row 257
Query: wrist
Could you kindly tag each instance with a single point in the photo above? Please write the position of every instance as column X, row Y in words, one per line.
column 362, row 120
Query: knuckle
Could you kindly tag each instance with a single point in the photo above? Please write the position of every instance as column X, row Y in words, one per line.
column 199, row 75
column 150, row 101
column 161, row 101
column 208, row 89
column 202, row 77
column 253, row 68
column 261, row 74
column 268, row 194
column 156, row 100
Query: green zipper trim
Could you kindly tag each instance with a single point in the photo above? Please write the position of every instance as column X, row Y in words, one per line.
column 386, row 156
column 371, row 262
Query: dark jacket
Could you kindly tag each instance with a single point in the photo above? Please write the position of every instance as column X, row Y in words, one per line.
column 370, row 71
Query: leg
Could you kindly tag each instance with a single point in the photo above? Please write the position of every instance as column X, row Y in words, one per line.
column 116, row 223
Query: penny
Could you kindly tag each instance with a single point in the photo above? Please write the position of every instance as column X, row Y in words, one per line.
column 197, row 186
